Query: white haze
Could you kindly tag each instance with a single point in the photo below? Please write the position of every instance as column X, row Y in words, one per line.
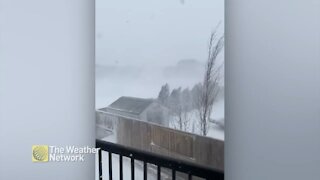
column 155, row 32
column 143, row 44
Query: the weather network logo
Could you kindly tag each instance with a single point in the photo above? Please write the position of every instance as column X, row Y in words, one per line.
column 40, row 153
column 69, row 153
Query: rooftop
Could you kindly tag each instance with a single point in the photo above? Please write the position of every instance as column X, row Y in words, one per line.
column 130, row 104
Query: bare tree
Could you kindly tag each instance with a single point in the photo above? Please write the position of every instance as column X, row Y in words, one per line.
column 186, row 104
column 175, row 107
column 208, row 90
column 164, row 94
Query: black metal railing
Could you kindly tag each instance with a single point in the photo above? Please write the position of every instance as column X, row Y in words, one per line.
column 191, row 169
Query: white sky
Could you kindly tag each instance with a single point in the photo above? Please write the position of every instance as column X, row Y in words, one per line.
column 155, row 32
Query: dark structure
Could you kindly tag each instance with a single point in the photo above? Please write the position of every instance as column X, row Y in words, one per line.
column 148, row 110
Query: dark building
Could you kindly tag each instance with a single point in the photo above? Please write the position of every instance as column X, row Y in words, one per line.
column 148, row 110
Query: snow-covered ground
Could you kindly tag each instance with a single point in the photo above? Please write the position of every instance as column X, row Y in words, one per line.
column 192, row 125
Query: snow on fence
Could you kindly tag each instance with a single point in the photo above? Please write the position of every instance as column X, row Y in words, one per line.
column 162, row 140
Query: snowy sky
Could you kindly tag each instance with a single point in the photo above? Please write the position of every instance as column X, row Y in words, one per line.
column 139, row 44
column 155, row 32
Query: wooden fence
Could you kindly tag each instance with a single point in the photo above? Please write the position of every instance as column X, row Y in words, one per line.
column 165, row 141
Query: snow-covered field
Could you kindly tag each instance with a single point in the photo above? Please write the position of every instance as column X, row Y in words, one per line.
column 193, row 125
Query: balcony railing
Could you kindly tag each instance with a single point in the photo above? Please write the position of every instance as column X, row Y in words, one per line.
column 174, row 165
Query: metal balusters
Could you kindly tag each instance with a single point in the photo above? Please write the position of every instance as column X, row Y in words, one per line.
column 145, row 170
column 132, row 168
column 159, row 173
column 173, row 174
column 176, row 166
column 121, row 167
column 110, row 166
column 100, row 164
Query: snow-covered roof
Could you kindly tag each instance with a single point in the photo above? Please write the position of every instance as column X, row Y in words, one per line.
column 131, row 105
